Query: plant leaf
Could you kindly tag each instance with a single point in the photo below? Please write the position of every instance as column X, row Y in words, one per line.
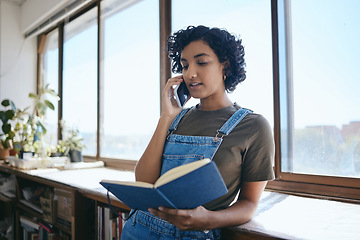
column 49, row 104
column 43, row 129
column 2, row 116
column 6, row 128
column 5, row 144
column 33, row 95
column 5, row 102
column 13, row 107
column 9, row 114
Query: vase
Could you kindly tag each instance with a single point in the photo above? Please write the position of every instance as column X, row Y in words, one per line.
column 4, row 153
column 25, row 154
column 75, row 156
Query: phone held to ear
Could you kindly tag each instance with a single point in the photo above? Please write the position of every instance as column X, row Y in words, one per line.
column 181, row 94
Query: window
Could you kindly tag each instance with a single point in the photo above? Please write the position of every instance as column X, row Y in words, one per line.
column 104, row 81
column 80, row 78
column 318, row 70
column 322, row 124
column 50, row 73
column 131, row 97
column 251, row 20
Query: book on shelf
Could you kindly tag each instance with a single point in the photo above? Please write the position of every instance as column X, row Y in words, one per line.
column 30, row 227
column 109, row 224
column 184, row 187
column 29, row 223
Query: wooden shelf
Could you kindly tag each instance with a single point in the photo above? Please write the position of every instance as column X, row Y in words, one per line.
column 85, row 191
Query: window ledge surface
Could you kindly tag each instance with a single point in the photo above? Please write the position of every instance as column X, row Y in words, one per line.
column 292, row 217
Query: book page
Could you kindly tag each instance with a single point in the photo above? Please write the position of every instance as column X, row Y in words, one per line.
column 180, row 171
column 135, row 184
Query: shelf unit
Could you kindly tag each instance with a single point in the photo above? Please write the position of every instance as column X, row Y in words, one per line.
column 84, row 199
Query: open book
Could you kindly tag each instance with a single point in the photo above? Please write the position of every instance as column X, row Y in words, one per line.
column 184, row 187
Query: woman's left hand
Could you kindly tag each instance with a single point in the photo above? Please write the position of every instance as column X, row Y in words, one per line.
column 184, row 219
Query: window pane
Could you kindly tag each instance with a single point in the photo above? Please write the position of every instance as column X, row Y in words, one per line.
column 50, row 73
column 80, row 78
column 321, row 131
column 131, row 101
column 251, row 20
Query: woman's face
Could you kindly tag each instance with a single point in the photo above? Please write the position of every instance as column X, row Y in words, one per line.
column 202, row 71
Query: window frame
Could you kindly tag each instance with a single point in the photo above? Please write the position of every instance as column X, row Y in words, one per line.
column 330, row 187
column 337, row 188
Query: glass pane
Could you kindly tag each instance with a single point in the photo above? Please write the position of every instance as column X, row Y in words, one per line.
column 321, row 134
column 50, row 73
column 249, row 19
column 131, row 101
column 80, row 78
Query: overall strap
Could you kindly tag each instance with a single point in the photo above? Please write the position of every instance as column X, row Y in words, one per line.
column 233, row 121
column 177, row 119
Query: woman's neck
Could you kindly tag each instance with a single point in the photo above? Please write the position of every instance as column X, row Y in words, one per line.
column 207, row 105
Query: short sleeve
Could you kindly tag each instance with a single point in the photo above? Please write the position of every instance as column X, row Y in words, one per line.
column 258, row 158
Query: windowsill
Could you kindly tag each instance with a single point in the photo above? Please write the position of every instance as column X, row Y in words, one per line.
column 292, row 217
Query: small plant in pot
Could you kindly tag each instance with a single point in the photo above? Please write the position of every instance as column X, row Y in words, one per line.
column 23, row 142
column 72, row 143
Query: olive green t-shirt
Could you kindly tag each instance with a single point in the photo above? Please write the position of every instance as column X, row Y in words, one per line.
column 246, row 154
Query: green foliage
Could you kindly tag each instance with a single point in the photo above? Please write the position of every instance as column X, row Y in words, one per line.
column 9, row 117
column 71, row 139
column 21, row 128
column 41, row 102
column 41, row 105
column 6, row 116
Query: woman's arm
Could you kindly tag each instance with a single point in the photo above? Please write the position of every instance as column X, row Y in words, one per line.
column 149, row 166
column 200, row 218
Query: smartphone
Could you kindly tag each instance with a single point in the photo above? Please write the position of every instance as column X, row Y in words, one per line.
column 181, row 94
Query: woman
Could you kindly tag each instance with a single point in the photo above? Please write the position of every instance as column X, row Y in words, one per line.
column 212, row 63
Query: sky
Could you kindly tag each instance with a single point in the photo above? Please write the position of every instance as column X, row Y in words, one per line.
column 326, row 61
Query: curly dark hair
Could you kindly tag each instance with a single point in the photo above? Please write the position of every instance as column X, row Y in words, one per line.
column 226, row 47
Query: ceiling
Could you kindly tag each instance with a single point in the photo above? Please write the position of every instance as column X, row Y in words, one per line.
column 17, row 2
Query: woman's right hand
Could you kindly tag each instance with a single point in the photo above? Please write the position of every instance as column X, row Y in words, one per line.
column 169, row 107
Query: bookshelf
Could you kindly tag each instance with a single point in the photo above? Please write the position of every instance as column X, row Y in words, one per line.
column 59, row 204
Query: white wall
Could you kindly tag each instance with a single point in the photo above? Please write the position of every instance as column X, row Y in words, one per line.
column 17, row 58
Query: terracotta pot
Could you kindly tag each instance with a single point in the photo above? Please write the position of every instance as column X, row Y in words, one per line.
column 13, row 152
column 4, row 153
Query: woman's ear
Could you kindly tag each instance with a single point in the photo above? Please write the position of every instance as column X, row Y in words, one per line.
column 226, row 67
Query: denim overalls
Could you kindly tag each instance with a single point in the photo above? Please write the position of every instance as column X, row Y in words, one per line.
column 178, row 150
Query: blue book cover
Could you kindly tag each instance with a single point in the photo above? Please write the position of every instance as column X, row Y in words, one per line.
column 185, row 187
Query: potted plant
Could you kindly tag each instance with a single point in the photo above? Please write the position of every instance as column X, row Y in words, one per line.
column 22, row 131
column 10, row 117
column 24, row 139
column 72, row 143
column 31, row 129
